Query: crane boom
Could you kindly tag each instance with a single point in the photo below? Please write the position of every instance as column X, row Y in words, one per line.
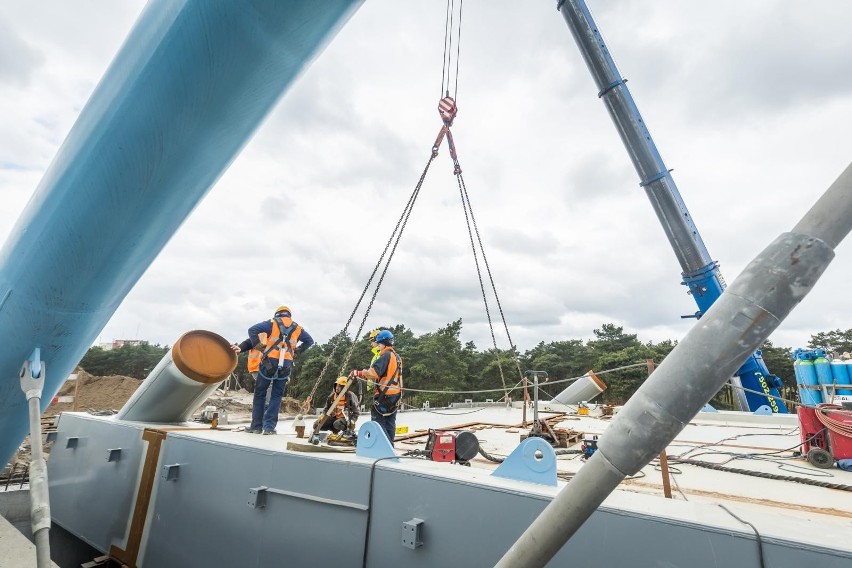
column 700, row 273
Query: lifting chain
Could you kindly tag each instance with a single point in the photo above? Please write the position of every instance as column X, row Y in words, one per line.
column 395, row 237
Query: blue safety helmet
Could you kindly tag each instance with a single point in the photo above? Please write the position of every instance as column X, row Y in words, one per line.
column 385, row 337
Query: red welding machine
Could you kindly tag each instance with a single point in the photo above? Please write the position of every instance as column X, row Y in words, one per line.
column 825, row 436
column 452, row 446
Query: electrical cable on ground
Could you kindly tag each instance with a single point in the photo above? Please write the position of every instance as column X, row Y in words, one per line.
column 756, row 534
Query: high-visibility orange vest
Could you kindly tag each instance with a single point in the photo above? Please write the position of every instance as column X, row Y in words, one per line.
column 254, row 356
column 391, row 382
column 341, row 404
column 275, row 344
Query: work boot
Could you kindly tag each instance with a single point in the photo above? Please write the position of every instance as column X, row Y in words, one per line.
column 253, row 430
column 269, row 432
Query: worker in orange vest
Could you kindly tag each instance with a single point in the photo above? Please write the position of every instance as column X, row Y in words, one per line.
column 344, row 416
column 386, row 373
column 278, row 340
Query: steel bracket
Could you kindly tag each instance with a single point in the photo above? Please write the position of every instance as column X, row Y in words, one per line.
column 171, row 472
column 533, row 460
column 412, row 533
column 257, row 497
column 373, row 442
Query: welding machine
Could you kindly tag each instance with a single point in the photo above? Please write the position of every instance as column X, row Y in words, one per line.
column 451, row 446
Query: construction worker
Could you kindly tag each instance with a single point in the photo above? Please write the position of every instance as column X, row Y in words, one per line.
column 284, row 340
column 344, row 416
column 386, row 372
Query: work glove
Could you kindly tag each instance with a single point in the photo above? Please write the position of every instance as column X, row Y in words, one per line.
column 352, row 425
column 357, row 373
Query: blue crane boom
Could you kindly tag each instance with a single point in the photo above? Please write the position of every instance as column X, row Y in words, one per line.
column 701, row 274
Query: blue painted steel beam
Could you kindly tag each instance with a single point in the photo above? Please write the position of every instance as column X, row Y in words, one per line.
column 181, row 98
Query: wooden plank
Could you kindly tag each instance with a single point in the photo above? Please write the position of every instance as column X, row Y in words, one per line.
column 319, row 448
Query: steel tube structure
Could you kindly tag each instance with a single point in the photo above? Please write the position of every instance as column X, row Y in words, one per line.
column 701, row 273
column 188, row 88
column 754, row 305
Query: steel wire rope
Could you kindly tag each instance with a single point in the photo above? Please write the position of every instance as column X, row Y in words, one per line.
column 447, row 59
column 458, row 53
column 517, row 385
column 794, row 479
column 400, row 226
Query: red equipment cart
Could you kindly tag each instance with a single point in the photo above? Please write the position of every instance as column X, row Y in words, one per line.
column 822, row 444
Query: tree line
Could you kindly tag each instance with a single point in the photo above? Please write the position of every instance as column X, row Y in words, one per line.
column 439, row 361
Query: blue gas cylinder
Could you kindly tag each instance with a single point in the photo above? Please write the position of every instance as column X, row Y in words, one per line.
column 840, row 372
column 806, row 372
column 823, row 370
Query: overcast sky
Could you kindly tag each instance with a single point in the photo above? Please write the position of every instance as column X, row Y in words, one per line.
column 749, row 102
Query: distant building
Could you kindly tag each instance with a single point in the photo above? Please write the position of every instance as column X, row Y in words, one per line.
column 118, row 343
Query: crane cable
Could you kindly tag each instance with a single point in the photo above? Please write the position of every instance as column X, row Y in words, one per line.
column 447, row 60
column 394, row 239
column 447, row 109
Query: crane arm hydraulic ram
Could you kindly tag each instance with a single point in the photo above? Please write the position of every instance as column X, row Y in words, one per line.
column 700, row 274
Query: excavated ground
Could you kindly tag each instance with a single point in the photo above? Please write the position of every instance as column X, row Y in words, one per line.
column 107, row 395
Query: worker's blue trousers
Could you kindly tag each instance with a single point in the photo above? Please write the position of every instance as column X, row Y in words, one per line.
column 388, row 423
column 265, row 414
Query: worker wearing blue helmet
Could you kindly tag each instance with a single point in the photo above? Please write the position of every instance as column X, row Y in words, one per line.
column 385, row 372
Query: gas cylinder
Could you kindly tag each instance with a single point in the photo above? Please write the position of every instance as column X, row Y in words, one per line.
column 806, row 376
column 840, row 372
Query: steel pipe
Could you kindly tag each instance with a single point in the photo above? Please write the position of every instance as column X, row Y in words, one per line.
column 743, row 317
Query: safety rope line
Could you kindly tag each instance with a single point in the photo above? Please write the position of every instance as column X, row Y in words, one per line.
column 396, row 233
column 517, row 385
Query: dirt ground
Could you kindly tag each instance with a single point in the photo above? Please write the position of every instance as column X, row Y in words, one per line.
column 108, row 394
column 94, row 394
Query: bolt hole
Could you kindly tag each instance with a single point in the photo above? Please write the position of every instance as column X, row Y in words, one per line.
column 538, row 455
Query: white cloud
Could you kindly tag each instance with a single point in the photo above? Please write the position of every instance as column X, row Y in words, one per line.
column 749, row 103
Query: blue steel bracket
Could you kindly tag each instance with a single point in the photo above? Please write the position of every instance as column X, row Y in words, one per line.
column 533, row 460
column 763, row 410
column 705, row 285
column 373, row 442
column 708, row 408
column 611, row 86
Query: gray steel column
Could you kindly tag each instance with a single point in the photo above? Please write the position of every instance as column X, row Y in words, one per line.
column 743, row 317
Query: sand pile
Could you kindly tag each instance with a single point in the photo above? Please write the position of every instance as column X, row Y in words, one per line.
column 95, row 393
